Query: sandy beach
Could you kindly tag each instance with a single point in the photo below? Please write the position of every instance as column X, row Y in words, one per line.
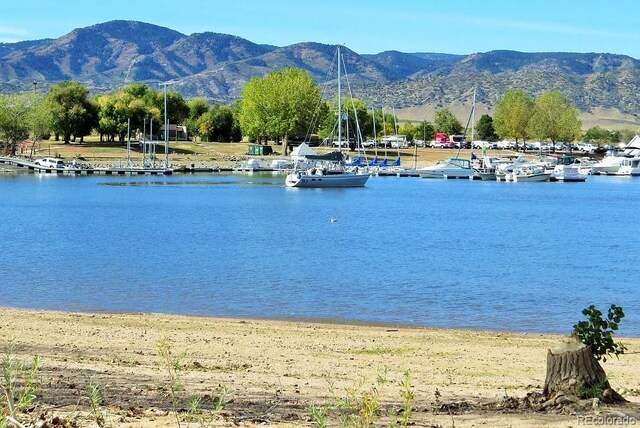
column 270, row 373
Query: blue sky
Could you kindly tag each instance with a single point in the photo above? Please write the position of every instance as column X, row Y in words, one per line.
column 447, row 26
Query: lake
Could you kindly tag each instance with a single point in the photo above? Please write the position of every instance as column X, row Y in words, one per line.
column 524, row 257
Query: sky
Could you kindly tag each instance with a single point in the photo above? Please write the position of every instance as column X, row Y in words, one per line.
column 366, row 27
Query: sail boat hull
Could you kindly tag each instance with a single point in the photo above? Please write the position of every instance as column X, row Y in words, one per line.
column 346, row 179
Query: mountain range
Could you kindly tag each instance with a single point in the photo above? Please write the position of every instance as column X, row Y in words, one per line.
column 216, row 66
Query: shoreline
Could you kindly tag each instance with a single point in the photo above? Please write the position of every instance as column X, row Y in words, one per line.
column 313, row 320
column 276, row 370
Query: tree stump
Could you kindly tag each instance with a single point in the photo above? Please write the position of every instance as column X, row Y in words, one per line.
column 574, row 370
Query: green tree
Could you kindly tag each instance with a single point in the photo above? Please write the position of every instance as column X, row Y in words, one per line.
column 408, row 129
column 177, row 108
column 73, row 113
column 512, row 114
column 279, row 105
column 197, row 107
column 22, row 115
column 216, row 124
column 14, row 126
column 554, row 119
column 39, row 118
column 625, row 135
column 445, row 121
column 597, row 135
column 355, row 122
column 484, row 129
column 424, row 131
column 384, row 123
column 127, row 109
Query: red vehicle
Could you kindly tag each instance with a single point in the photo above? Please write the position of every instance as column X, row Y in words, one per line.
column 441, row 141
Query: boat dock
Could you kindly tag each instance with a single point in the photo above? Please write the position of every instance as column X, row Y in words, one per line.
column 18, row 165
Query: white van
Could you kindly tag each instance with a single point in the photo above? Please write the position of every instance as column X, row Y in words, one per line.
column 50, row 162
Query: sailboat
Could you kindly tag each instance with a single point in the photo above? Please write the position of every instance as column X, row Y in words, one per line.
column 329, row 170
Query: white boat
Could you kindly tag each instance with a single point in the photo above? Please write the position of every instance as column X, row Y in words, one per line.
column 528, row 173
column 612, row 162
column 328, row 170
column 488, row 167
column 609, row 165
column 567, row 173
column 448, row 168
column 508, row 164
column 569, row 169
column 630, row 166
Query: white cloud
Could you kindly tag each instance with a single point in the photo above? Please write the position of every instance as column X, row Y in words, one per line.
column 6, row 30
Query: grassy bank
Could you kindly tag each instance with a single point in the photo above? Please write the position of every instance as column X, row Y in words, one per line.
column 183, row 153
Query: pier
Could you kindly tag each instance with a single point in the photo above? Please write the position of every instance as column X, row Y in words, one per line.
column 17, row 164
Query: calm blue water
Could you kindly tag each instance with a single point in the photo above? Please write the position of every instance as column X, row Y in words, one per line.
column 503, row 256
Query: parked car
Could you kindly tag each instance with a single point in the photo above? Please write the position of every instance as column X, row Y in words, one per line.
column 50, row 162
column 443, row 144
column 369, row 143
column 506, row 145
column 485, row 144
column 586, row 147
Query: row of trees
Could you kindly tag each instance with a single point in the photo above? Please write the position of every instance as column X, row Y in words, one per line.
column 69, row 113
column 281, row 106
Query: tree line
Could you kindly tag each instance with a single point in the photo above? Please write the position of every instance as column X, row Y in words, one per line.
column 282, row 106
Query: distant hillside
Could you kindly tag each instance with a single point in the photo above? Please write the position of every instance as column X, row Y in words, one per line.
column 216, row 66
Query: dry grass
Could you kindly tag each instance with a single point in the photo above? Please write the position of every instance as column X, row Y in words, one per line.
column 213, row 154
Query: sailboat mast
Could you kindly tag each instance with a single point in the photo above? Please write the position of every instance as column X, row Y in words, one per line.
column 473, row 117
column 375, row 135
column 339, row 104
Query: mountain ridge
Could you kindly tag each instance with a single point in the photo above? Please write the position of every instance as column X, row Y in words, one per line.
column 216, row 66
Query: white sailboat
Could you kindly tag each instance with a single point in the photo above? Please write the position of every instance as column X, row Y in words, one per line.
column 328, row 170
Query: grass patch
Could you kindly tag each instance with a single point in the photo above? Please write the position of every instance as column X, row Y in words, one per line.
column 381, row 351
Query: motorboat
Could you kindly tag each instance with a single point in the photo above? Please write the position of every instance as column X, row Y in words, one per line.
column 569, row 169
column 613, row 160
column 448, row 168
column 508, row 164
column 487, row 168
column 630, row 166
column 528, row 173
column 610, row 163
column 567, row 173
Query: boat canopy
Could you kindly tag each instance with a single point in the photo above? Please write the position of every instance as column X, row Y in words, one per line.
column 302, row 151
column 332, row 157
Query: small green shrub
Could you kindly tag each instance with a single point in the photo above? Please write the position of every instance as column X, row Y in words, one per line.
column 94, row 395
column 597, row 332
column 18, row 382
column 407, row 398
column 319, row 416
column 594, row 391
column 172, row 364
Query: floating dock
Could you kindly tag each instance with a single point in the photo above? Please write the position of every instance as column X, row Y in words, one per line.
column 28, row 166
